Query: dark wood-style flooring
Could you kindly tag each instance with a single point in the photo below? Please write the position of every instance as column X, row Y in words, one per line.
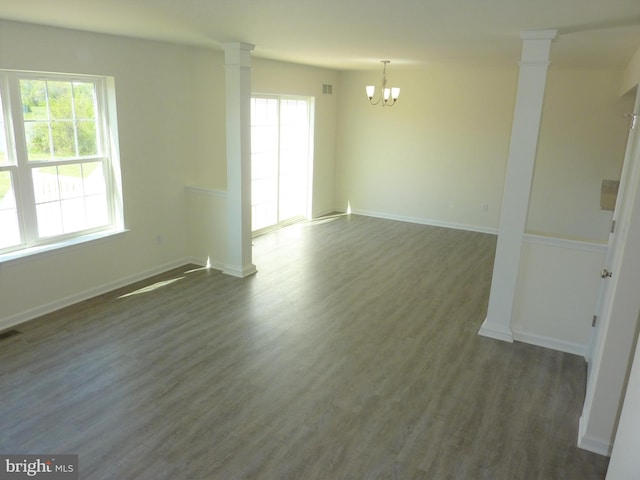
column 352, row 354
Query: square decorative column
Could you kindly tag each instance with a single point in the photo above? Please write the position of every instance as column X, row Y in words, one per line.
column 534, row 63
column 238, row 112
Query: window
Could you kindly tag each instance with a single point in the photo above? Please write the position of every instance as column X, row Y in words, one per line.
column 57, row 171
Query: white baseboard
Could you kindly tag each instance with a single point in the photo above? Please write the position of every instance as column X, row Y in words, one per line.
column 203, row 263
column 595, row 445
column 427, row 221
column 40, row 310
column 552, row 343
column 240, row 271
column 487, row 330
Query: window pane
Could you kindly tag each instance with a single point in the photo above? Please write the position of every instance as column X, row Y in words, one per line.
column 264, row 190
column 60, row 100
column 10, row 231
column 64, row 141
column 49, row 219
column 60, row 119
column 84, row 100
column 7, row 198
column 73, row 215
column 70, row 181
column 9, row 227
column 97, row 210
column 87, row 138
column 38, row 140
column 34, row 99
column 74, row 195
column 93, row 178
column 4, row 158
column 45, row 184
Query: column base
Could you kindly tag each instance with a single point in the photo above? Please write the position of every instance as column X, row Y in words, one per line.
column 240, row 271
column 497, row 332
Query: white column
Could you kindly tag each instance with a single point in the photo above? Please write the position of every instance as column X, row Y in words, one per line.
column 534, row 63
column 238, row 111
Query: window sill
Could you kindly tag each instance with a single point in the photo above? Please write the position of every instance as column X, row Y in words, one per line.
column 54, row 248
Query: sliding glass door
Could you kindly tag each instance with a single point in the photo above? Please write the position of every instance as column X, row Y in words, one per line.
column 280, row 160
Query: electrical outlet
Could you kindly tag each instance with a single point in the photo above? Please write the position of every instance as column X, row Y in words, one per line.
column 484, row 208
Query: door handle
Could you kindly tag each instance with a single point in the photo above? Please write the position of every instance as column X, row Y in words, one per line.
column 605, row 273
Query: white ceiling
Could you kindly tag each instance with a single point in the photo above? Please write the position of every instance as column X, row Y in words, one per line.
column 357, row 34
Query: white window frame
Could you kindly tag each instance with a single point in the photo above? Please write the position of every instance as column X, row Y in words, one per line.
column 21, row 168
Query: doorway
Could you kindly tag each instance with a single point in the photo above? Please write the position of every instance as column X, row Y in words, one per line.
column 281, row 160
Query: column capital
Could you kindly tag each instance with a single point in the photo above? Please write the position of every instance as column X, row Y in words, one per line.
column 238, row 53
column 538, row 34
column 536, row 45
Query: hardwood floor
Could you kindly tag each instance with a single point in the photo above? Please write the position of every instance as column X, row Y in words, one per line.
column 352, row 354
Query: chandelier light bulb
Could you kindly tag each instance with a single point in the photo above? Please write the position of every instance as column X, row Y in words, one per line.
column 371, row 90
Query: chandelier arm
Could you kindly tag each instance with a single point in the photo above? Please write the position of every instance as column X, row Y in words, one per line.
column 377, row 101
column 388, row 102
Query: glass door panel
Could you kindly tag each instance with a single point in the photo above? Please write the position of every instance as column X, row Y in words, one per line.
column 280, row 157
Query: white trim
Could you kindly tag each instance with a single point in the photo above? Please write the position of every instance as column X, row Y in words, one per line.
column 213, row 265
column 86, row 295
column 549, row 342
column 206, row 191
column 595, row 445
column 325, row 213
column 245, row 271
column 559, row 242
column 490, row 331
column 427, row 221
column 30, row 253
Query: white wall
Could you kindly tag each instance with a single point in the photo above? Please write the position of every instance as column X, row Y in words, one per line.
column 441, row 151
column 437, row 155
column 156, row 103
column 270, row 77
column 556, row 293
column 207, row 201
column 582, row 141
column 631, row 76
column 208, row 167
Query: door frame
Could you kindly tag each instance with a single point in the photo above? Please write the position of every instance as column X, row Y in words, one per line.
column 628, row 191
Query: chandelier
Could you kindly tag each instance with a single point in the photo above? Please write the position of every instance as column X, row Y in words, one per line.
column 387, row 95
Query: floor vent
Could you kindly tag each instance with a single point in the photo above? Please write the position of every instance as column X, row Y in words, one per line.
column 8, row 334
